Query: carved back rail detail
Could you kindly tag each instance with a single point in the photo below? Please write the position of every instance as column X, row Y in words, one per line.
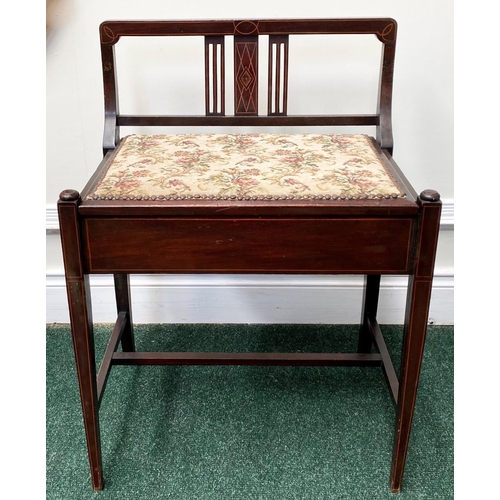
column 246, row 35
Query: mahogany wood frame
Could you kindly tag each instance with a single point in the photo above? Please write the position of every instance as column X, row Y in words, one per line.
column 393, row 236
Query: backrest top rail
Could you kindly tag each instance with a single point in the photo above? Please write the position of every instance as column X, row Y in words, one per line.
column 384, row 28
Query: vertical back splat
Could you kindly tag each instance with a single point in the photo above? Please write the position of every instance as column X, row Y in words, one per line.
column 277, row 86
column 246, row 49
column 214, row 76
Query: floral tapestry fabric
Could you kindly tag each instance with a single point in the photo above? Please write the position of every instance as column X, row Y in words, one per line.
column 246, row 167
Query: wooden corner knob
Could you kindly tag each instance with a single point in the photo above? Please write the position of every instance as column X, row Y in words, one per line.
column 69, row 195
column 430, row 195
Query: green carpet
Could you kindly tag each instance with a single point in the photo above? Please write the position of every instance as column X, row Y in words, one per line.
column 194, row 432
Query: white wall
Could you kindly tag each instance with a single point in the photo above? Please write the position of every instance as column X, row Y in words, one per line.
column 422, row 117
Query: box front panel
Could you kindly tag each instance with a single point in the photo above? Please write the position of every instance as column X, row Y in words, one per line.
column 272, row 245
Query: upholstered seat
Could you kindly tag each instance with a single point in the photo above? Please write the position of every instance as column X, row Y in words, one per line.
column 246, row 167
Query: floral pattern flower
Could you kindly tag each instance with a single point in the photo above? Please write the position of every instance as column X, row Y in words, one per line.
column 247, row 167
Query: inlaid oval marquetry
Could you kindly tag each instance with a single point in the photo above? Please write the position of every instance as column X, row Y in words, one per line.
column 388, row 34
column 246, row 28
column 108, row 35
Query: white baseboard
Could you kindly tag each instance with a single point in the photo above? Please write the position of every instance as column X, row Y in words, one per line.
column 250, row 299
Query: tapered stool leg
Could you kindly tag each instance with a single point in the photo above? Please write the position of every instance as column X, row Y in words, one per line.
column 370, row 304
column 83, row 343
column 417, row 313
column 80, row 310
column 123, row 304
column 413, row 348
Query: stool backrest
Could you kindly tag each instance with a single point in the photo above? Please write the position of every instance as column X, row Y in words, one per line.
column 246, row 34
